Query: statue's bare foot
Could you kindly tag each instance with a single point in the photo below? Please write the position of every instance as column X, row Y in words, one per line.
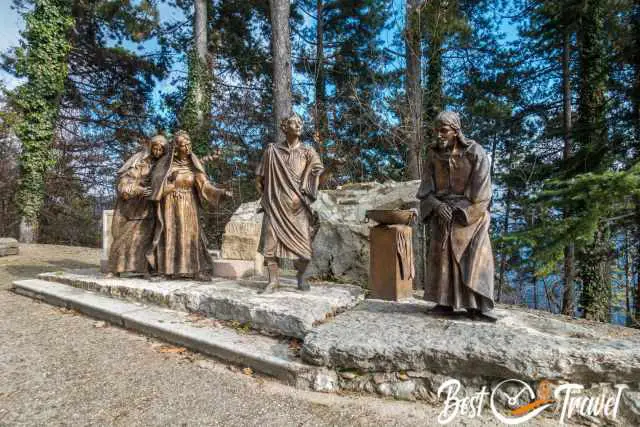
column 441, row 309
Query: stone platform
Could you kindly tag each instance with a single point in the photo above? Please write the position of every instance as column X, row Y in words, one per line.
column 381, row 336
column 8, row 246
column 287, row 312
column 393, row 349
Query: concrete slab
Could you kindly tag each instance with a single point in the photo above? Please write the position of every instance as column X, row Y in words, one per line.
column 287, row 312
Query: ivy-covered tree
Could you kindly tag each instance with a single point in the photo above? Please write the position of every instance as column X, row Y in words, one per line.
column 42, row 59
column 195, row 114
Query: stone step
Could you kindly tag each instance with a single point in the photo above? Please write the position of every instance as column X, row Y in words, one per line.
column 263, row 354
column 287, row 312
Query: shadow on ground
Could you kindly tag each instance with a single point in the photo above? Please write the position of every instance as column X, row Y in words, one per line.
column 71, row 263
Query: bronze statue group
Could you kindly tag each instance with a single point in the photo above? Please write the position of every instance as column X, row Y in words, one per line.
column 157, row 231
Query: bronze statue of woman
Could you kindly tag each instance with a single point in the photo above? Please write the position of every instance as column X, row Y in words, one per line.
column 133, row 217
column 180, row 187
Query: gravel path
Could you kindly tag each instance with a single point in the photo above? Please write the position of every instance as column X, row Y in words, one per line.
column 61, row 368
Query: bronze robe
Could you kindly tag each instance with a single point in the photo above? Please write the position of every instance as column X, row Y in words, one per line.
column 179, row 244
column 460, row 260
column 133, row 218
column 290, row 185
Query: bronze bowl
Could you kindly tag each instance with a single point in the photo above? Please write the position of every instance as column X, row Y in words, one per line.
column 392, row 216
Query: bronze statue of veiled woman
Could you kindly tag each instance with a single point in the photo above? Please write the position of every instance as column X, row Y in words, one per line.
column 180, row 188
column 133, row 218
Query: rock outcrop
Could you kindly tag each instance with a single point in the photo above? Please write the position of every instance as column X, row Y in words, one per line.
column 341, row 247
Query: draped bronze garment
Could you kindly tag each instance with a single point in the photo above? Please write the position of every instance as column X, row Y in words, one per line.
column 460, row 266
column 133, row 217
column 290, row 185
column 179, row 245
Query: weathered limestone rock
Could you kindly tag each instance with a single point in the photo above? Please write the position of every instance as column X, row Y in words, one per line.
column 341, row 247
column 286, row 312
column 8, row 246
column 529, row 345
column 242, row 233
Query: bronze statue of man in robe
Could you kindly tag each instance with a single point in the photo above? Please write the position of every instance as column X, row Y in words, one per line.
column 133, row 218
column 454, row 195
column 288, row 178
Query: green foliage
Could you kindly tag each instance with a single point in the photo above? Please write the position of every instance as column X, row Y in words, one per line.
column 43, row 61
column 360, row 134
column 594, row 199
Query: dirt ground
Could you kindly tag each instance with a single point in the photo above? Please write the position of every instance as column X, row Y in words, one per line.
column 61, row 368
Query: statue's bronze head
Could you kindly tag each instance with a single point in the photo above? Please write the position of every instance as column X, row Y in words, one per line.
column 157, row 146
column 292, row 125
column 448, row 129
column 181, row 143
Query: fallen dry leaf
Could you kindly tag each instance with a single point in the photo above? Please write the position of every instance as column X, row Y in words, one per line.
column 194, row 317
column 100, row 324
column 247, row 371
column 295, row 346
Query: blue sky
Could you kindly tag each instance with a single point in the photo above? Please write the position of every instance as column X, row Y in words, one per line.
column 10, row 26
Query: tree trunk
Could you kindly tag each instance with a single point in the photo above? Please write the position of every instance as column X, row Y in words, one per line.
column 28, row 231
column 195, row 116
column 281, row 51
column 503, row 256
column 200, row 43
column 637, row 264
column 627, row 281
column 433, row 92
column 592, row 139
column 414, row 88
column 568, row 297
column 636, row 122
column 595, row 272
column 321, row 119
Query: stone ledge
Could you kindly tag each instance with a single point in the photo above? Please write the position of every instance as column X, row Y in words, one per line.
column 382, row 336
column 287, row 312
